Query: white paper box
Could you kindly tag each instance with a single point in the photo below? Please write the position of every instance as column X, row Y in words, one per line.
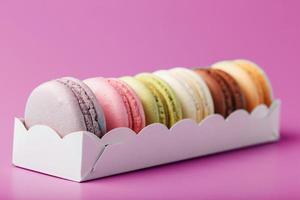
column 82, row 156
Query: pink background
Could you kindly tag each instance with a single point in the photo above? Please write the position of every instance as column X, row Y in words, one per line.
column 42, row 40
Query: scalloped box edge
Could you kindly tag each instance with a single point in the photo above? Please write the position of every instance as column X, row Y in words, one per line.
column 82, row 156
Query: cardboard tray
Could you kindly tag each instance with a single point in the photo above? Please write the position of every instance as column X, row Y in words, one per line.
column 82, row 156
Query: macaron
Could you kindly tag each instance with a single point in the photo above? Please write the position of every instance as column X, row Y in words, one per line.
column 66, row 105
column 147, row 98
column 218, row 89
column 111, row 102
column 198, row 88
column 171, row 108
column 227, row 95
column 185, row 98
column 244, row 80
column 261, row 78
column 237, row 97
column 121, row 106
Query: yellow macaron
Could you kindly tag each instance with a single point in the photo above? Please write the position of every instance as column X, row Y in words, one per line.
column 161, row 90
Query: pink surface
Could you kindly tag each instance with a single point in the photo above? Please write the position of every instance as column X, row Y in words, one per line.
column 43, row 40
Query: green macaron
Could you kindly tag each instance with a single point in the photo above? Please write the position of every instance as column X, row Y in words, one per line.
column 171, row 107
column 147, row 98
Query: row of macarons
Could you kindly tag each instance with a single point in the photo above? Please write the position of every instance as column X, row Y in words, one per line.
column 99, row 105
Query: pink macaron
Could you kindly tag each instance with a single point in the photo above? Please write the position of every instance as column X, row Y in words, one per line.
column 121, row 106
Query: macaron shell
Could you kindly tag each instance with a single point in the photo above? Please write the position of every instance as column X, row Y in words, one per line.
column 132, row 102
column 169, row 98
column 111, row 102
column 146, row 97
column 216, row 90
column 260, row 76
column 52, row 103
column 186, row 100
column 243, row 79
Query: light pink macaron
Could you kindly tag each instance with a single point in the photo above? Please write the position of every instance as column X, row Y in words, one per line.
column 121, row 106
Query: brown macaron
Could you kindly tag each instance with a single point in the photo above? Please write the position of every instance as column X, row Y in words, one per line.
column 237, row 96
column 227, row 95
column 216, row 90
